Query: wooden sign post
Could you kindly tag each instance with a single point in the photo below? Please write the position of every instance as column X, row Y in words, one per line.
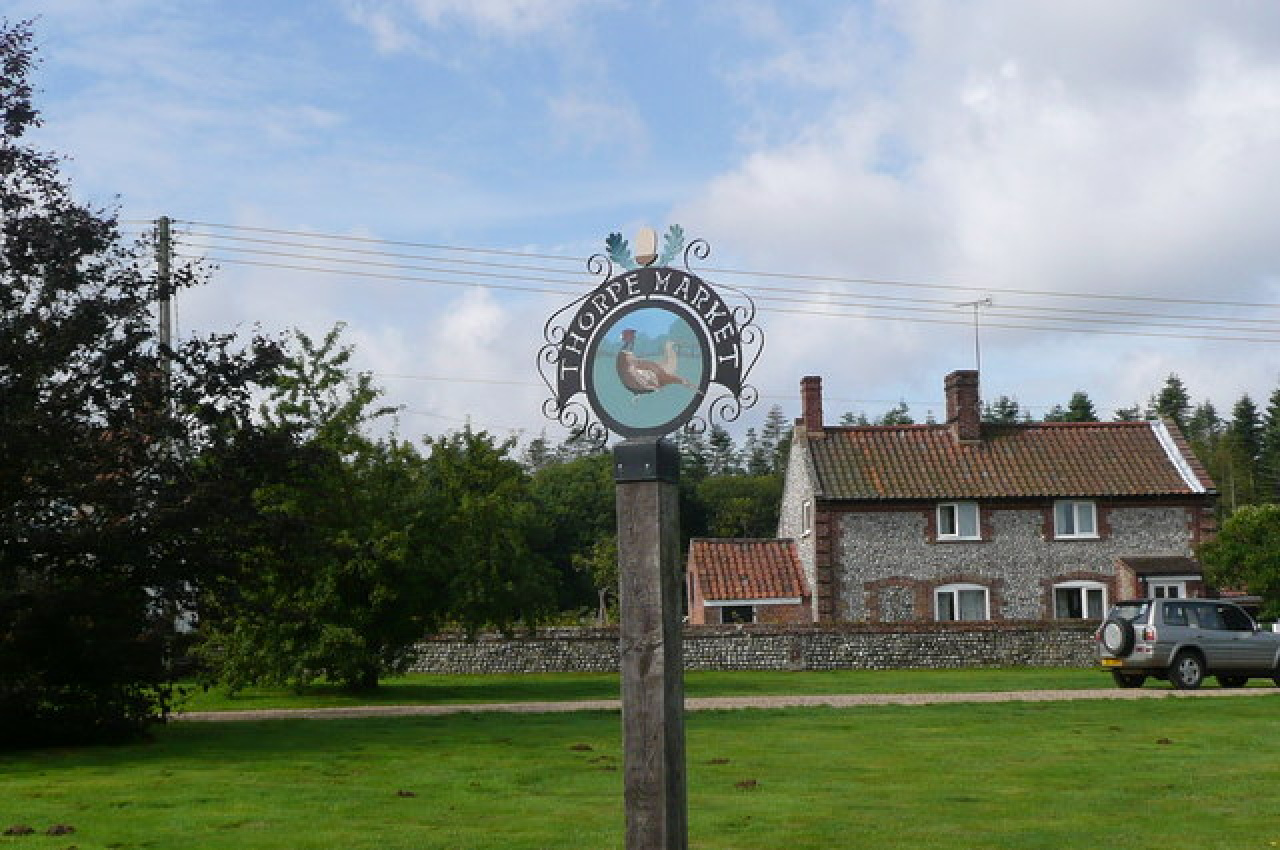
column 647, row 472
column 649, row 347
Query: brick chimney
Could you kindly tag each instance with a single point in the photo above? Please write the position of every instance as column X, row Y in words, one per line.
column 811, row 404
column 964, row 409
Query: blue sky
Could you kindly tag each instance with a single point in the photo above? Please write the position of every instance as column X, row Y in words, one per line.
column 1053, row 156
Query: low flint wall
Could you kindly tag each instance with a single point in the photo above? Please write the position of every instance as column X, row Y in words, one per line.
column 762, row 647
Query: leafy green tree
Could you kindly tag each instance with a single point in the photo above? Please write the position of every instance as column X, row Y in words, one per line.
column 482, row 531
column 849, row 419
column 102, row 439
column 600, row 562
column 332, row 574
column 574, row 502
column 739, row 505
column 1127, row 414
column 1246, row 554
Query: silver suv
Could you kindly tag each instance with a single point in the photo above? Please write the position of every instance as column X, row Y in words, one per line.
column 1184, row 640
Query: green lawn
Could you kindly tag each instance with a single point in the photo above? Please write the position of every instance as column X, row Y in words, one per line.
column 453, row 689
column 1098, row 774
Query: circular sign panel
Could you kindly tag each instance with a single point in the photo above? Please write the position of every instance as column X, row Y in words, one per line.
column 647, row 369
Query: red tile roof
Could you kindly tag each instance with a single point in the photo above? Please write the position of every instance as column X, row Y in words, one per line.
column 1051, row 459
column 746, row 569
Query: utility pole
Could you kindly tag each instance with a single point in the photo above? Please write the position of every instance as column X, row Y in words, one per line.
column 164, row 263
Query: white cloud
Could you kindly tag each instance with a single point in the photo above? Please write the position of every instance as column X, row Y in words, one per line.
column 1079, row 148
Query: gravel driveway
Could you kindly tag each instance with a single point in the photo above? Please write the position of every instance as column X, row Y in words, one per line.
column 723, row 703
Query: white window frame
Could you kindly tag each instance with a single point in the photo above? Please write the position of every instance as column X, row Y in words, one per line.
column 954, row 591
column 1083, row 586
column 1156, row 584
column 806, row 518
column 1075, row 507
column 955, row 508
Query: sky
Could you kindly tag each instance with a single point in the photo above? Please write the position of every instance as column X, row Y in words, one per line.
column 1104, row 172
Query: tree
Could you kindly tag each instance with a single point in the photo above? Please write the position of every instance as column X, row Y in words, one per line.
column 1269, row 457
column 899, row 414
column 1080, row 408
column 775, row 439
column 722, row 453
column 574, row 502
column 600, row 562
column 481, row 531
column 1002, row 411
column 1246, row 554
column 104, row 437
column 739, row 505
column 1172, row 402
column 1242, row 446
column 332, row 576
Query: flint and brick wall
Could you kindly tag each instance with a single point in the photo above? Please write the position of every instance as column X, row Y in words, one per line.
column 850, row 646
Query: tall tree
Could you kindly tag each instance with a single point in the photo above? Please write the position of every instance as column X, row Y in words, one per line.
column 1172, row 401
column 102, row 437
column 1269, row 457
column 775, row 439
column 334, row 578
column 574, row 502
column 1242, row 443
column 723, row 458
column 482, row 530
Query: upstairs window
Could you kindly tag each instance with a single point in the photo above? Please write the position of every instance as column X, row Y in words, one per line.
column 958, row 521
column 1075, row 520
column 954, row 602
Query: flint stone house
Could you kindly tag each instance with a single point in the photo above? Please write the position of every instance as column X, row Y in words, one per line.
column 973, row 521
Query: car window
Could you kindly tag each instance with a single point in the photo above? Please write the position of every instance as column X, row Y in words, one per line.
column 1235, row 618
column 1133, row 612
column 1208, row 616
column 1175, row 614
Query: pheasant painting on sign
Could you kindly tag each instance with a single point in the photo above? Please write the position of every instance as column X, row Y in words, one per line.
column 649, row 369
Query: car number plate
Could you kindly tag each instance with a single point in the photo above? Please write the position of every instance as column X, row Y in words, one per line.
column 1111, row 662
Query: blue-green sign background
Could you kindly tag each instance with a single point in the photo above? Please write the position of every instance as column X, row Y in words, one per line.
column 654, row 327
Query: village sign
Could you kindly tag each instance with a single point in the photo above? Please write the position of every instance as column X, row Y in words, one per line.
column 650, row 346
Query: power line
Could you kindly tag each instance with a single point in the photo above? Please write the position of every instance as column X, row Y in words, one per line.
column 1016, row 311
column 867, row 281
column 780, row 310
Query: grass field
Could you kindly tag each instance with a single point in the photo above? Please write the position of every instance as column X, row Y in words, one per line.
column 454, row 689
column 1158, row 773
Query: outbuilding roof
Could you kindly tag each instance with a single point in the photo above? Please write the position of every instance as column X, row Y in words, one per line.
column 1049, row 459
column 734, row 569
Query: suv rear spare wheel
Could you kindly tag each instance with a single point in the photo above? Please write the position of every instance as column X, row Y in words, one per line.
column 1117, row 637
column 1187, row 671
